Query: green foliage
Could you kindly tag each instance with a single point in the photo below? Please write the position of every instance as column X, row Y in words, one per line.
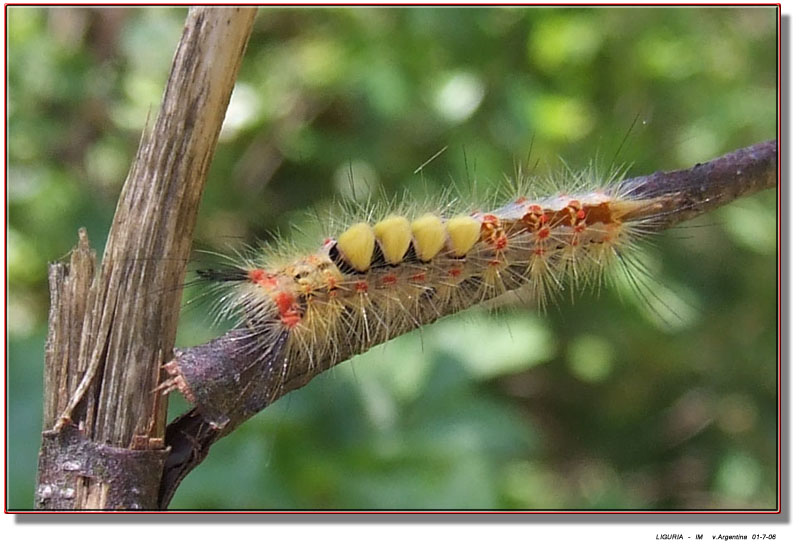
column 609, row 401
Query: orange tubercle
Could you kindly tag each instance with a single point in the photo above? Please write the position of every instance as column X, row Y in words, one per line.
column 262, row 278
column 490, row 220
column 287, row 309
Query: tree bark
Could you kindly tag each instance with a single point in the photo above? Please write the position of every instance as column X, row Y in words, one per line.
column 104, row 420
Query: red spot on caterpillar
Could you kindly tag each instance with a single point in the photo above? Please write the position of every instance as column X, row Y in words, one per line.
column 489, row 225
column 575, row 211
column 535, row 218
column 493, row 233
column 262, row 278
column 291, row 319
column 361, row 286
column 454, row 272
column 284, row 301
column 418, row 277
column 494, row 262
column 389, row 279
column 331, row 281
column 287, row 309
column 327, row 241
column 539, row 251
column 544, row 233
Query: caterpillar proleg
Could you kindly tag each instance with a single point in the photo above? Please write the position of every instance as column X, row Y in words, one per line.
column 394, row 271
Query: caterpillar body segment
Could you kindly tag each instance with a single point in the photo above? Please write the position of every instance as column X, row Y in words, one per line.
column 394, row 235
column 429, row 236
column 377, row 280
column 463, row 233
column 357, row 244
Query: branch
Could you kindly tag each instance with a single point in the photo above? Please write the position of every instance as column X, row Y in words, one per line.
column 104, row 420
column 684, row 194
column 231, row 378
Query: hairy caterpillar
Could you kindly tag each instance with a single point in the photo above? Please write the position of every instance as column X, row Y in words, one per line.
column 395, row 270
column 398, row 270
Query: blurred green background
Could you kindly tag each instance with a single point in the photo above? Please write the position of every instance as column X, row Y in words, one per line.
column 606, row 402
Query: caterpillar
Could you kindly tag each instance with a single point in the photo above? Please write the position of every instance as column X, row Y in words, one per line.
column 395, row 271
column 398, row 269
